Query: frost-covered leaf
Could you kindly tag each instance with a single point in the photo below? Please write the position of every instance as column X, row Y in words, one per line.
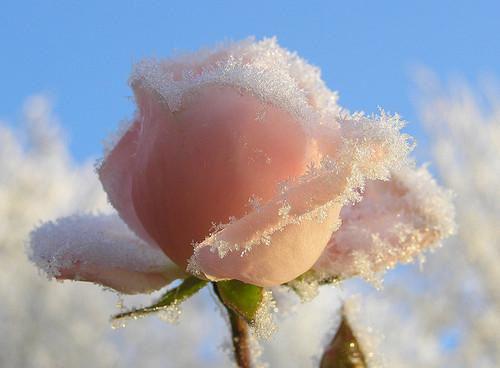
column 344, row 350
column 306, row 286
column 244, row 299
column 172, row 297
column 315, row 276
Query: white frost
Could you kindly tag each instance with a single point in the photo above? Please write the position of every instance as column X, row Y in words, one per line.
column 99, row 240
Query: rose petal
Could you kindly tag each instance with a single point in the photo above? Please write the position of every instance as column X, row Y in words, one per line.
column 116, row 176
column 100, row 249
column 394, row 222
column 277, row 242
column 202, row 165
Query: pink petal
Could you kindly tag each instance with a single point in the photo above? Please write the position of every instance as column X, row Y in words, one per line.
column 278, row 241
column 116, row 175
column 100, row 249
column 202, row 165
column 394, row 222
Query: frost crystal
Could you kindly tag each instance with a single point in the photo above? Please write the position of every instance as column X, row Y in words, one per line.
column 393, row 223
column 169, row 314
column 264, row 325
column 263, row 68
column 370, row 147
column 101, row 249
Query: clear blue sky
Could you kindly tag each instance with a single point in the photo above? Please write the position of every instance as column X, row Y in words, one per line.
column 81, row 52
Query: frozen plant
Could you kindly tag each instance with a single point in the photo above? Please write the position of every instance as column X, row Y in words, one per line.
column 240, row 170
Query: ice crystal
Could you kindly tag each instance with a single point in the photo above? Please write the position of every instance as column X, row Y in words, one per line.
column 96, row 239
column 285, row 209
column 255, row 202
column 393, row 223
column 169, row 314
column 307, row 290
column 263, row 68
column 363, row 139
column 306, row 286
column 100, row 249
column 264, row 325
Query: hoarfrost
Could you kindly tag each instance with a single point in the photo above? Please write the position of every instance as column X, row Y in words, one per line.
column 370, row 148
column 369, row 340
column 102, row 240
column 263, row 68
column 264, row 325
column 394, row 222
column 100, row 249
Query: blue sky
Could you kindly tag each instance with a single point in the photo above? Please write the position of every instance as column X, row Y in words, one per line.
column 80, row 52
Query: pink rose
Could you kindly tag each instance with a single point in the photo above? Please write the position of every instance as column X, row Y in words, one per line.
column 237, row 165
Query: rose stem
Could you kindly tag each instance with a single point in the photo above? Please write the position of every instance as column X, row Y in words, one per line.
column 239, row 332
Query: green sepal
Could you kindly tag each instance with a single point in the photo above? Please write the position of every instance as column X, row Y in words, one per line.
column 188, row 287
column 243, row 299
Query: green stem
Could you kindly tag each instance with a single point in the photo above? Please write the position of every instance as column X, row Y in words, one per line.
column 239, row 333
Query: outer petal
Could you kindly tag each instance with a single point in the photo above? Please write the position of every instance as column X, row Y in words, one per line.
column 276, row 242
column 394, row 222
column 100, row 249
column 200, row 166
column 115, row 174
column 283, row 238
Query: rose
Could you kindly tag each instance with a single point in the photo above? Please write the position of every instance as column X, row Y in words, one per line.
column 237, row 165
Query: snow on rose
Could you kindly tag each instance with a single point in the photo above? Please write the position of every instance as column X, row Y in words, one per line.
column 240, row 165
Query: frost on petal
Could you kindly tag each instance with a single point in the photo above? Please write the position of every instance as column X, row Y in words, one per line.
column 264, row 249
column 243, row 152
column 198, row 167
column 284, row 237
column 100, row 249
column 395, row 221
column 263, row 68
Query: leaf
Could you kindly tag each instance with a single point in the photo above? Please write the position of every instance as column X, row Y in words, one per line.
column 243, row 299
column 190, row 286
column 344, row 350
